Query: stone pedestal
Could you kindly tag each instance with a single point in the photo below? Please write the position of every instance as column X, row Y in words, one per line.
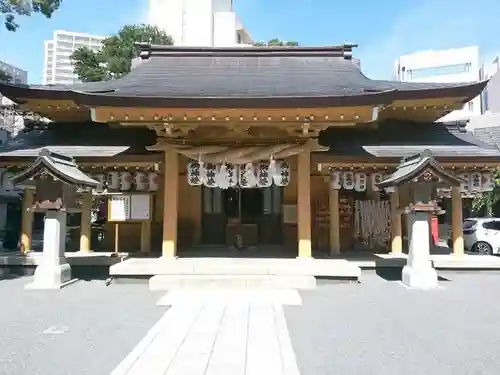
column 418, row 272
column 53, row 272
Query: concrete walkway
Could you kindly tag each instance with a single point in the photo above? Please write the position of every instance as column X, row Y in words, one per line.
column 217, row 332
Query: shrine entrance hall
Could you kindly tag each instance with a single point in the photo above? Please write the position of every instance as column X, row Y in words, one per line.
column 242, row 217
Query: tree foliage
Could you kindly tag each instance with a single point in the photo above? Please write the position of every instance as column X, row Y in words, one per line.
column 114, row 59
column 4, row 76
column 12, row 8
column 277, row 43
column 487, row 200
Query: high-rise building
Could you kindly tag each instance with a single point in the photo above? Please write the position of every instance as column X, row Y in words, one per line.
column 491, row 95
column 201, row 23
column 17, row 75
column 457, row 65
column 58, row 68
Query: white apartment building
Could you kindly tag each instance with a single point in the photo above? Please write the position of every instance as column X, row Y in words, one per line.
column 448, row 66
column 58, row 68
column 200, row 23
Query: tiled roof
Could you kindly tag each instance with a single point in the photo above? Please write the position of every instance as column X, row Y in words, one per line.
column 80, row 140
column 489, row 135
column 169, row 75
column 396, row 139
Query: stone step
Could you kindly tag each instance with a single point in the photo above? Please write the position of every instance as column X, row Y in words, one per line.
column 167, row 282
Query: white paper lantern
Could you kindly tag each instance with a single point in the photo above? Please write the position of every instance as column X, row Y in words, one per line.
column 210, row 175
column 360, row 181
column 195, row 173
column 140, row 181
column 282, row 176
column 247, row 177
column 264, row 179
column 336, row 180
column 126, row 181
column 464, row 186
column 232, row 173
column 222, row 177
column 475, row 182
column 273, row 168
column 113, row 180
column 487, row 181
column 375, row 179
column 348, row 180
column 153, row 181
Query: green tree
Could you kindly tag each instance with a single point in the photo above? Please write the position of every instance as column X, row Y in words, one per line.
column 4, row 76
column 12, row 8
column 114, row 59
column 487, row 200
column 277, row 43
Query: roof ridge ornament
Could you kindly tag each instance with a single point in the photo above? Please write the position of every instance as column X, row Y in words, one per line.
column 58, row 166
column 420, row 168
column 148, row 49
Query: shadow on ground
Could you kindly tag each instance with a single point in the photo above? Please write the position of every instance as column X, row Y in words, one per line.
column 395, row 274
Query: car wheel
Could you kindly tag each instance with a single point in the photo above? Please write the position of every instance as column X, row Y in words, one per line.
column 482, row 248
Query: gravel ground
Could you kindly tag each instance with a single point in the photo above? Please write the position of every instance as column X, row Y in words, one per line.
column 83, row 329
column 381, row 327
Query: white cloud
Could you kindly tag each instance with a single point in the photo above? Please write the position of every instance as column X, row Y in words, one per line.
column 434, row 24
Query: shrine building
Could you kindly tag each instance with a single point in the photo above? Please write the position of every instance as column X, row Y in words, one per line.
column 249, row 148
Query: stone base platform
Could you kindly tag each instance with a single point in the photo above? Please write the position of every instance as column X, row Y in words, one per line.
column 208, row 282
column 83, row 264
column 439, row 261
column 237, row 272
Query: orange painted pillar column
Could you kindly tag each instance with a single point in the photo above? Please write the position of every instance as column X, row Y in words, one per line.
column 27, row 221
column 85, row 222
column 334, row 229
column 396, row 230
column 304, row 203
column 457, row 221
column 170, row 203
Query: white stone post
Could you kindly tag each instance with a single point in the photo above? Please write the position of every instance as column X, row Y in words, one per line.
column 419, row 272
column 53, row 271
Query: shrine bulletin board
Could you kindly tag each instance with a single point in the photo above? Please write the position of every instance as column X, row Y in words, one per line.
column 130, row 208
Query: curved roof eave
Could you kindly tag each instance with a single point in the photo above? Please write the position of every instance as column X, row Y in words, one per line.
column 414, row 90
column 368, row 98
column 390, row 91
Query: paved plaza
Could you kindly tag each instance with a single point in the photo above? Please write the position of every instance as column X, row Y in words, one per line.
column 376, row 327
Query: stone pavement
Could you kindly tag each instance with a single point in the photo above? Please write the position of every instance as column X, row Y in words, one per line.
column 217, row 332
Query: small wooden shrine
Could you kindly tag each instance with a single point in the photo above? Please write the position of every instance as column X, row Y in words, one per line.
column 423, row 175
column 56, row 182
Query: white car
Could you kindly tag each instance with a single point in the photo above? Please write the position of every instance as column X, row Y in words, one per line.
column 482, row 235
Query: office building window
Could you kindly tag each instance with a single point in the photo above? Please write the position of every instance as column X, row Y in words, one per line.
column 440, row 70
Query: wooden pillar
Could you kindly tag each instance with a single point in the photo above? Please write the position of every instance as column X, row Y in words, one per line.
column 334, row 228
column 27, row 220
column 304, row 203
column 456, row 221
column 146, row 237
column 170, row 203
column 396, row 232
column 85, row 227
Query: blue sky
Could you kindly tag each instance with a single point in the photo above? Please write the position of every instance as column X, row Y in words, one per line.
column 384, row 29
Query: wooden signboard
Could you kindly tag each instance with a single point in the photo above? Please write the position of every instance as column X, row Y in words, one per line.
column 129, row 208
